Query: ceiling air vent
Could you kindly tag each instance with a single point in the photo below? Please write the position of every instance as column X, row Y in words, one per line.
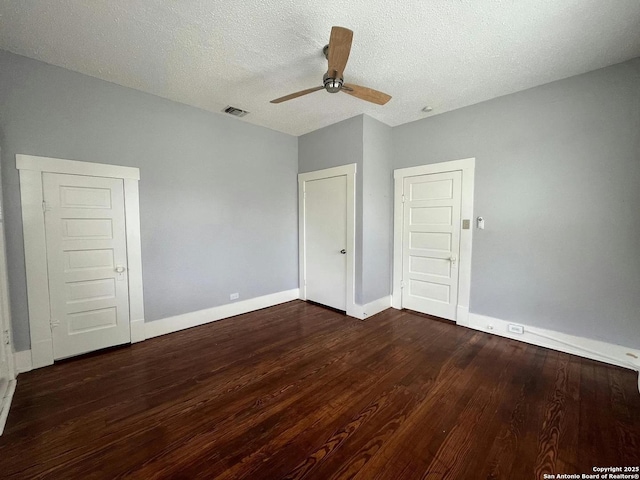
column 236, row 112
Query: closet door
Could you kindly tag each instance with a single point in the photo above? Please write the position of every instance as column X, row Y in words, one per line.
column 87, row 263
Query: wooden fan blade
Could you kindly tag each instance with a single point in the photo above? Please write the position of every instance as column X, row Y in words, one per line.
column 297, row 94
column 339, row 49
column 365, row 93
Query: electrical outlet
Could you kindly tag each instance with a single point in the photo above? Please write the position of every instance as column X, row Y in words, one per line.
column 489, row 327
column 234, row 296
column 513, row 328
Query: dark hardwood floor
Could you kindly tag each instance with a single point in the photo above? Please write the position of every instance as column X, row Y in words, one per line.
column 299, row 391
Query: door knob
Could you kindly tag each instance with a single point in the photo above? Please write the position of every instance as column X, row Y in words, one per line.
column 343, row 251
column 120, row 269
column 453, row 259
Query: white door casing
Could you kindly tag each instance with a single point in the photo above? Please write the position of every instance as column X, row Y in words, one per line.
column 466, row 168
column 6, row 373
column 31, row 170
column 4, row 368
column 86, row 262
column 326, row 239
column 7, row 369
column 431, row 243
column 7, row 366
column 348, row 173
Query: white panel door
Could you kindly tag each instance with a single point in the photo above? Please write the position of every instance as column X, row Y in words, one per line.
column 326, row 241
column 87, row 260
column 431, row 243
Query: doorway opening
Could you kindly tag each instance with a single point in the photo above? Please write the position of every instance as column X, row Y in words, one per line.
column 70, row 218
column 326, row 208
column 433, row 218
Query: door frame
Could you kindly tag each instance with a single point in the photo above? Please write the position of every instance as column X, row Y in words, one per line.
column 31, row 169
column 6, row 335
column 350, row 172
column 5, row 312
column 467, row 167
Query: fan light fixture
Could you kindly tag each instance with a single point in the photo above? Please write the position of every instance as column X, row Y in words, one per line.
column 332, row 85
column 337, row 53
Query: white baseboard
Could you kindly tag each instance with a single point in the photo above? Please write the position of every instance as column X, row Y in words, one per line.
column 583, row 347
column 141, row 330
column 370, row 309
column 200, row 317
column 354, row 310
column 5, row 404
column 23, row 362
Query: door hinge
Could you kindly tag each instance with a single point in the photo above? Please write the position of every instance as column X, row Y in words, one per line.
column 54, row 323
column 46, row 207
column 402, row 284
column 403, row 199
column 7, row 338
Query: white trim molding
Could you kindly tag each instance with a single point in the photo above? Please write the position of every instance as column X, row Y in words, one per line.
column 349, row 171
column 462, row 316
column 201, row 317
column 5, row 313
column 138, row 331
column 23, row 361
column 134, row 258
column 5, row 404
column 373, row 308
column 467, row 167
column 31, row 169
column 74, row 167
column 562, row 342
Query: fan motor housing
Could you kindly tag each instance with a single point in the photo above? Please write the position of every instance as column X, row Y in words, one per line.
column 332, row 85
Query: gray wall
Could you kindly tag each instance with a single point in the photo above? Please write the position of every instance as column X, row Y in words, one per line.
column 377, row 215
column 368, row 143
column 558, row 182
column 557, row 179
column 333, row 146
column 217, row 196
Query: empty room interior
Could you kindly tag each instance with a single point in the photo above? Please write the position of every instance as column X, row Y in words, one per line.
column 320, row 240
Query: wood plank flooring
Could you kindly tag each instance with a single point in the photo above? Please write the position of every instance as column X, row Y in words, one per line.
column 298, row 391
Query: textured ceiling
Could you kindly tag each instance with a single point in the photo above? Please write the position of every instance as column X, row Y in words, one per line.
column 211, row 53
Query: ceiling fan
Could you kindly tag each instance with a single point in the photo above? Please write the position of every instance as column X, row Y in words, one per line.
column 337, row 53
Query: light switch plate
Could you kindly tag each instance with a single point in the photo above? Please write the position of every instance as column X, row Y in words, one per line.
column 466, row 224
